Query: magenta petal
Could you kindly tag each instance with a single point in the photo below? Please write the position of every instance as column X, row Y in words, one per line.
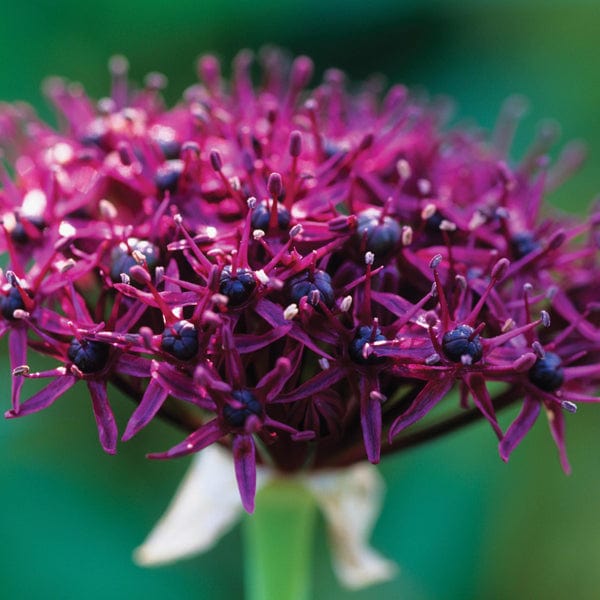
column 483, row 401
column 17, row 345
column 556, row 421
column 205, row 436
column 105, row 420
column 245, row 469
column 45, row 397
column 519, row 427
column 153, row 399
column 428, row 397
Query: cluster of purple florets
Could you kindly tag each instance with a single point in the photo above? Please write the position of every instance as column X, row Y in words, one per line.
column 301, row 272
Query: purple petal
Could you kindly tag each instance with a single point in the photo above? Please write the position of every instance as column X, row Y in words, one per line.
column 105, row 420
column 567, row 310
column 45, row 397
column 153, row 399
column 519, row 427
column 179, row 385
column 322, row 381
column 81, row 310
column 397, row 305
column 245, row 469
column 17, row 345
column 207, row 434
column 251, row 343
column 370, row 421
column 556, row 421
column 136, row 366
column 273, row 315
column 273, row 382
column 577, row 397
column 131, row 317
column 428, row 397
column 483, row 401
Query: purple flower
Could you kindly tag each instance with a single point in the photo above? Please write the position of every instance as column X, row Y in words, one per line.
column 305, row 273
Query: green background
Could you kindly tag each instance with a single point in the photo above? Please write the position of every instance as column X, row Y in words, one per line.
column 460, row 523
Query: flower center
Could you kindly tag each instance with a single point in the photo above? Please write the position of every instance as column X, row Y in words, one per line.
column 11, row 302
column 261, row 217
column 19, row 233
column 122, row 260
column 237, row 288
column 547, row 373
column 167, row 175
column 363, row 336
column 180, row 340
column 88, row 356
column 307, row 283
column 382, row 235
column 461, row 342
column 245, row 404
column 523, row 243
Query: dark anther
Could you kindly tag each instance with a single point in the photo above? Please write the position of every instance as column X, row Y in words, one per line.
column 239, row 287
column 523, row 244
column 165, row 138
column 19, row 233
column 11, row 302
column 122, row 260
column 167, row 175
column 461, row 342
column 88, row 356
column 170, row 148
column 180, row 340
column 433, row 222
column 547, row 373
column 97, row 134
column 331, row 148
column 306, row 282
column 363, row 336
column 382, row 235
column 244, row 404
column 261, row 216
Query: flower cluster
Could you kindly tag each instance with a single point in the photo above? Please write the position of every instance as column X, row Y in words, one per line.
column 302, row 273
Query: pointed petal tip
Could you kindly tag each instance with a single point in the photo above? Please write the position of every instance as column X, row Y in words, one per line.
column 375, row 458
column 130, row 431
column 157, row 455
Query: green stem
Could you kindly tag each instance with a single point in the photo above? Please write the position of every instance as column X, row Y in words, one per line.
column 279, row 539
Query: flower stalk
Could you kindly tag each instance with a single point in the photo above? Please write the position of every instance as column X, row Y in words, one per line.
column 279, row 541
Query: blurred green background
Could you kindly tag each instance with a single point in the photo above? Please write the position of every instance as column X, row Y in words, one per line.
column 460, row 523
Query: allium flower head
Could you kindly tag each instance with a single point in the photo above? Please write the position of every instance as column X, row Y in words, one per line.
column 306, row 272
